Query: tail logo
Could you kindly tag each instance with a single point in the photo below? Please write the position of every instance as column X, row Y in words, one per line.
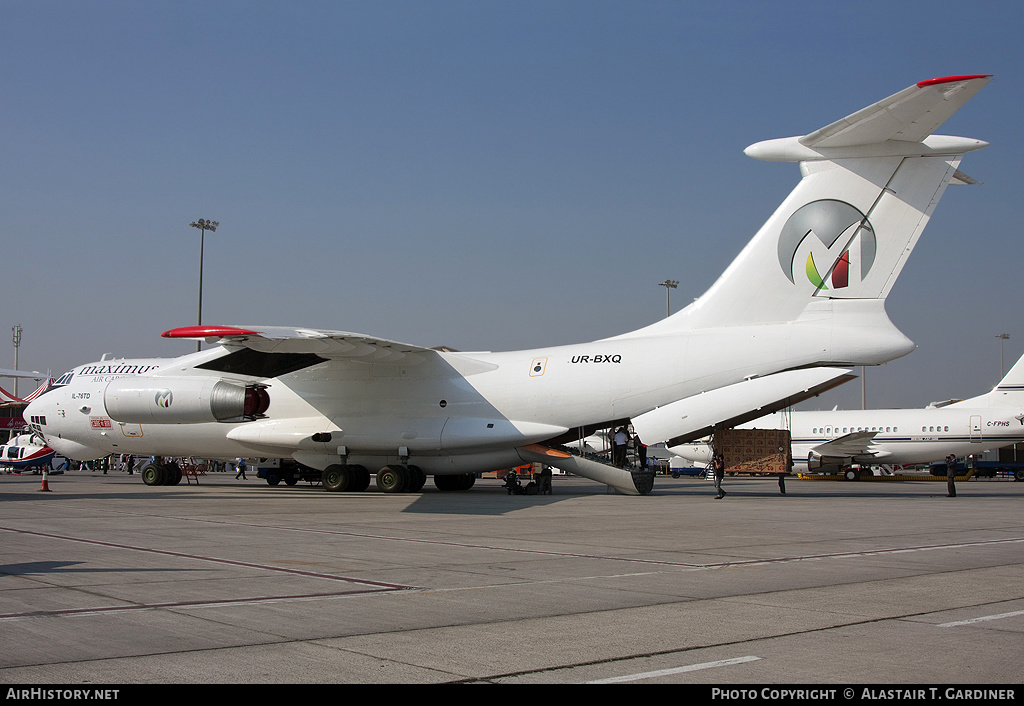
column 839, row 229
column 163, row 399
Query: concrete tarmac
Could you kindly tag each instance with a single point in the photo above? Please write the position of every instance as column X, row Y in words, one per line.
column 104, row 580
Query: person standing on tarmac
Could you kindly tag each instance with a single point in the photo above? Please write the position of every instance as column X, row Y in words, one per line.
column 718, row 468
column 240, row 466
column 951, row 476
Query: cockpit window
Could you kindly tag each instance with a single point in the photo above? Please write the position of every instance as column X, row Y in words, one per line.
column 63, row 380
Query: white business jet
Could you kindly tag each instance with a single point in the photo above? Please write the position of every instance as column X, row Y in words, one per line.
column 803, row 298
column 835, row 439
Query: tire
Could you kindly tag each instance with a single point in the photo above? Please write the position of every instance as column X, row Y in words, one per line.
column 273, row 478
column 336, row 478
column 153, row 474
column 463, row 481
column 446, row 483
column 359, row 478
column 417, row 479
column 392, row 479
column 851, row 474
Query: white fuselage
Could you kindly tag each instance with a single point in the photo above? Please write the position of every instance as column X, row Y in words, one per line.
column 903, row 436
column 447, row 412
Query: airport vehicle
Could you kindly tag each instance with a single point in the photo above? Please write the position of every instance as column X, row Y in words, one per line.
column 807, row 294
column 278, row 470
column 830, row 440
column 25, row 452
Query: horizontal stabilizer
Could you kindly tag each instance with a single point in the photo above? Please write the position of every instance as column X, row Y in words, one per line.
column 909, row 116
column 962, row 179
column 902, row 124
column 942, row 403
column 696, row 416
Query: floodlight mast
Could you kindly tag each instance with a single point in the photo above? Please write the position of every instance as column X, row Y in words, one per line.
column 17, row 344
column 669, row 285
column 203, row 226
column 1003, row 337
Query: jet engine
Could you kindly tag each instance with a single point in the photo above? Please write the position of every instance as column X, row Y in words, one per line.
column 183, row 400
column 816, row 461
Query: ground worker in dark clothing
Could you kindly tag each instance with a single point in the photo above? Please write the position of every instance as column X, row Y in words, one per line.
column 718, row 468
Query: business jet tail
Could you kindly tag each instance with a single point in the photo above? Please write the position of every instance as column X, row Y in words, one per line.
column 1008, row 393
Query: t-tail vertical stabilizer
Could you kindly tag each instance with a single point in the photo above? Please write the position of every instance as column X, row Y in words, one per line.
column 829, row 255
column 1008, row 393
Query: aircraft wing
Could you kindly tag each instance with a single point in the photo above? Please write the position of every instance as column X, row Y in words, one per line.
column 910, row 115
column 33, row 374
column 857, row 443
column 278, row 339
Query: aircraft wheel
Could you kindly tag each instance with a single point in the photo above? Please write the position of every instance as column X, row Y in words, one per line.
column 417, row 479
column 359, row 478
column 460, row 482
column 445, row 482
column 152, row 474
column 173, row 474
column 336, row 478
column 852, row 474
column 392, row 479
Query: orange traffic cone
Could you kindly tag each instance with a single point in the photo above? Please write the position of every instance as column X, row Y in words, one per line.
column 45, row 486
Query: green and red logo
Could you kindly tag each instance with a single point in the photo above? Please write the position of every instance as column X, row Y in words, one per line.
column 843, row 240
column 163, row 399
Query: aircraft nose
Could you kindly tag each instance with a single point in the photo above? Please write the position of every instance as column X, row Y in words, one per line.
column 36, row 412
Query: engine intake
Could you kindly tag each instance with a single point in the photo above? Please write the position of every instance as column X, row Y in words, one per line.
column 184, row 400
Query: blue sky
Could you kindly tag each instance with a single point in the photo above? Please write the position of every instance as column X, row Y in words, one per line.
column 485, row 175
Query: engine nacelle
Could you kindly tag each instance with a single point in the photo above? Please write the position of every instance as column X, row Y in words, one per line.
column 183, row 400
column 816, row 461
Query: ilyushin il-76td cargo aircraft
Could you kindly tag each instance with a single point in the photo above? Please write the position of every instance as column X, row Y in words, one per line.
column 805, row 297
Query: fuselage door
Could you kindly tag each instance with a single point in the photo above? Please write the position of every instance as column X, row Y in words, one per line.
column 976, row 428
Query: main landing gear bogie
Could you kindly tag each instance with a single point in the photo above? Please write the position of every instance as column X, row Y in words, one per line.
column 343, row 477
column 161, row 474
column 393, row 478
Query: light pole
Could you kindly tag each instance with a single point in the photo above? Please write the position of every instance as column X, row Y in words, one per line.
column 17, row 344
column 668, row 284
column 203, row 226
column 1002, row 337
